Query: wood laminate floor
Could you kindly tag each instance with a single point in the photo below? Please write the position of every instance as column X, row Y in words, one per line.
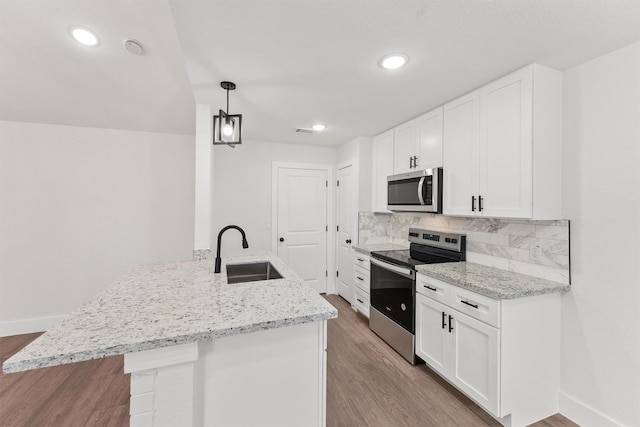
column 368, row 384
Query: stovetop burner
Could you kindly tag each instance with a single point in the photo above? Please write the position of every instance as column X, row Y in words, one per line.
column 427, row 247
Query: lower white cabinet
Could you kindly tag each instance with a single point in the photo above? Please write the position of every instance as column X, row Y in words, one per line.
column 460, row 348
column 361, row 280
column 503, row 354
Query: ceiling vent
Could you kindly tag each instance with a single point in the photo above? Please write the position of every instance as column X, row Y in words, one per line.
column 305, row 130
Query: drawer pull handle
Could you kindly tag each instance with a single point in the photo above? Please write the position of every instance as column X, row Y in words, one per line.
column 360, row 259
column 444, row 320
column 359, row 278
column 360, row 301
column 469, row 304
column 450, row 323
column 430, row 288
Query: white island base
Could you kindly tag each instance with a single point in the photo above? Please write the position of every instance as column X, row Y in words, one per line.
column 274, row 377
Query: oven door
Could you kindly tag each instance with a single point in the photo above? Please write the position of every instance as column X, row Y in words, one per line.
column 393, row 292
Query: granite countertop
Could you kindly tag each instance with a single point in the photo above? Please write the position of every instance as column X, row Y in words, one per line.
column 491, row 282
column 166, row 304
column 372, row 247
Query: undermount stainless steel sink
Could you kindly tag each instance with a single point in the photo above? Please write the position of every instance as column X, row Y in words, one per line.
column 251, row 272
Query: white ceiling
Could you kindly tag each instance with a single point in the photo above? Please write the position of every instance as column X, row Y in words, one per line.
column 295, row 62
column 47, row 77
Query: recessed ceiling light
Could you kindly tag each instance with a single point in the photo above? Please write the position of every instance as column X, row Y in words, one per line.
column 84, row 36
column 393, row 61
column 318, row 127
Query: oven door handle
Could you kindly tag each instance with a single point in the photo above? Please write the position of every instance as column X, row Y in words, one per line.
column 406, row 272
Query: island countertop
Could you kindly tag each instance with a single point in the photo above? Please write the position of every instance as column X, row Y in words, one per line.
column 166, row 304
column 489, row 281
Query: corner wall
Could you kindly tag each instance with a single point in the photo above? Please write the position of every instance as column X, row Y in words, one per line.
column 79, row 207
column 242, row 188
column 600, row 384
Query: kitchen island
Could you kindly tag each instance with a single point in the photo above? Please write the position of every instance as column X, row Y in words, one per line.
column 202, row 351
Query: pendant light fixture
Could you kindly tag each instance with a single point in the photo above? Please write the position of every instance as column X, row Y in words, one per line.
column 227, row 128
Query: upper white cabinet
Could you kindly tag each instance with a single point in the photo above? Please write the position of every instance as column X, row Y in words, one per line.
column 430, row 139
column 418, row 143
column 462, row 135
column 405, row 147
column 382, row 158
column 502, row 148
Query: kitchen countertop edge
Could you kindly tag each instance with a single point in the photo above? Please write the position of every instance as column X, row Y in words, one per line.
column 373, row 247
column 491, row 282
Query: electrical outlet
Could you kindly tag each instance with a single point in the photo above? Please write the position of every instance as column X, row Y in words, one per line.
column 535, row 252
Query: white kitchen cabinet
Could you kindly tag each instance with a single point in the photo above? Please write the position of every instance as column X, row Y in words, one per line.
column 430, row 129
column 405, row 146
column 418, row 143
column 460, row 157
column 474, row 349
column 502, row 148
column 362, row 281
column 432, row 339
column 382, row 159
column 503, row 354
column 460, row 348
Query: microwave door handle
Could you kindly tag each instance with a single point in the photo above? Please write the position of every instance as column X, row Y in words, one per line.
column 420, row 190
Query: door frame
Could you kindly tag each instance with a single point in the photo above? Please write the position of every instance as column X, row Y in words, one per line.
column 275, row 167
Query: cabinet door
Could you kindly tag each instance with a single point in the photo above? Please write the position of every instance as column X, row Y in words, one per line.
column 382, row 167
column 405, row 147
column 430, row 139
column 506, row 161
column 432, row 337
column 460, row 154
column 475, row 359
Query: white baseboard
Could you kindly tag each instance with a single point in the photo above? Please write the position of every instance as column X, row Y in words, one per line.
column 27, row 326
column 582, row 414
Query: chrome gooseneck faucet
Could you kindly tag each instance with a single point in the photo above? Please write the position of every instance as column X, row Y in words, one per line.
column 244, row 244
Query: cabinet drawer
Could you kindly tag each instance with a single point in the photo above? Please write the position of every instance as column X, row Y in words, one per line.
column 478, row 306
column 361, row 301
column 433, row 288
column 361, row 260
column 361, row 278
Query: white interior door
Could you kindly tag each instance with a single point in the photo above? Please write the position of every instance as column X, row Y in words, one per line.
column 301, row 223
column 346, row 230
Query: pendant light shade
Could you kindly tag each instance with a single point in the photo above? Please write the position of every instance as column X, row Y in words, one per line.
column 227, row 128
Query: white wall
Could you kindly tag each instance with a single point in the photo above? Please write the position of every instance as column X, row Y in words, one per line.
column 359, row 151
column 79, row 207
column 601, row 194
column 242, row 189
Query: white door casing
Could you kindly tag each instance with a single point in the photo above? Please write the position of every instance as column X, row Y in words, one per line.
column 300, row 217
column 346, row 231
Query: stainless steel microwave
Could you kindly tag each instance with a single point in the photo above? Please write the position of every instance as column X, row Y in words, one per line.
column 419, row 191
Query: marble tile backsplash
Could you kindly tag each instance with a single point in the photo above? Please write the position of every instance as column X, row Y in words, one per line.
column 499, row 243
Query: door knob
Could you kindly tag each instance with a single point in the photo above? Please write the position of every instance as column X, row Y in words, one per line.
column 348, row 241
column 282, row 239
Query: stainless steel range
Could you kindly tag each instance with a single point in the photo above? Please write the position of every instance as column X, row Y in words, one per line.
column 393, row 284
